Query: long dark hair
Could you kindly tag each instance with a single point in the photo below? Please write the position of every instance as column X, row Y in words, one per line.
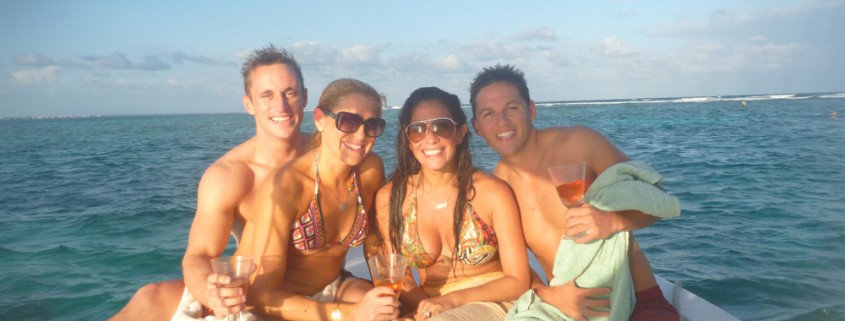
column 407, row 165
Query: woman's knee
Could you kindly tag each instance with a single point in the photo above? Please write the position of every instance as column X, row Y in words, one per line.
column 155, row 294
column 353, row 289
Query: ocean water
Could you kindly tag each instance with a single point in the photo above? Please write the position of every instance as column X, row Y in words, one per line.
column 92, row 208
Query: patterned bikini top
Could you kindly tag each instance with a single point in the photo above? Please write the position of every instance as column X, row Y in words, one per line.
column 478, row 243
column 309, row 232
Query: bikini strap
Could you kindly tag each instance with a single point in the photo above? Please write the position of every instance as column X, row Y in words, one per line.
column 316, row 173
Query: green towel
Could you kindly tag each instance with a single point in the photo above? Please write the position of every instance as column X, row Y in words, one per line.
column 604, row 263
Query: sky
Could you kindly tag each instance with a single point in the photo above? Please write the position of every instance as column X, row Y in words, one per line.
column 60, row 58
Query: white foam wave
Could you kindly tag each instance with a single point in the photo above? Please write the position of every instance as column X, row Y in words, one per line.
column 836, row 95
column 702, row 99
column 51, row 117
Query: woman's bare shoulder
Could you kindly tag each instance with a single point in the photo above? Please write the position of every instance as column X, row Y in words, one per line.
column 488, row 186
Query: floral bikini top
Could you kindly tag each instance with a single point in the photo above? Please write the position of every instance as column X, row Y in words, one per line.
column 309, row 232
column 478, row 243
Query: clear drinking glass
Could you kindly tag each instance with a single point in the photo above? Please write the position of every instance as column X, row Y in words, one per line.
column 238, row 268
column 570, row 184
column 388, row 270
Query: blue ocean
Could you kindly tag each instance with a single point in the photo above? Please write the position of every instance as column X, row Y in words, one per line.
column 92, row 208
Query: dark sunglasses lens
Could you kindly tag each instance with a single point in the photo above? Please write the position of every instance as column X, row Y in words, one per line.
column 416, row 132
column 443, row 127
column 373, row 127
column 348, row 122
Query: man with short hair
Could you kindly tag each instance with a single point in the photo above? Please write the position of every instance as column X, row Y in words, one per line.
column 503, row 114
column 275, row 95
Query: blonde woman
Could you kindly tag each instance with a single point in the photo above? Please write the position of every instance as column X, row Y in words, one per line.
column 313, row 210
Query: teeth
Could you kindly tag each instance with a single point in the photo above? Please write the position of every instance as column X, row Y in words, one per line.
column 429, row 152
column 507, row 134
column 354, row 146
column 280, row 119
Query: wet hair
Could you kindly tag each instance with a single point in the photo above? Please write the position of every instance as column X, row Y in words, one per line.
column 498, row 73
column 407, row 164
column 341, row 87
column 266, row 56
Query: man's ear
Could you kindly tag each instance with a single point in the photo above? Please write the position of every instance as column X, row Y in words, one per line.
column 475, row 126
column 248, row 105
column 532, row 110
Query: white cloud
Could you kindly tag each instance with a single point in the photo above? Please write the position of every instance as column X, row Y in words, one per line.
column 612, row 47
column 152, row 63
column 48, row 74
column 448, row 63
column 754, row 55
column 312, row 53
column 542, row 33
column 757, row 38
column 243, row 54
column 492, row 51
column 409, row 62
column 185, row 83
column 180, row 57
column 115, row 60
column 34, row 60
column 358, row 56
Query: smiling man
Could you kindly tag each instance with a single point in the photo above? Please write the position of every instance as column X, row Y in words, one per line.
column 503, row 115
column 275, row 96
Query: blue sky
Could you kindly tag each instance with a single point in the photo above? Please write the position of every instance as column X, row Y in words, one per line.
column 154, row 57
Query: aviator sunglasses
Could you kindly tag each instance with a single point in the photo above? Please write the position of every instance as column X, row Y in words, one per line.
column 443, row 127
column 349, row 123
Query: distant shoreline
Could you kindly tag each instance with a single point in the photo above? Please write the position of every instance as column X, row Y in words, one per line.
column 690, row 99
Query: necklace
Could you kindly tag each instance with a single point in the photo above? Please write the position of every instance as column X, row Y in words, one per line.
column 342, row 206
column 438, row 205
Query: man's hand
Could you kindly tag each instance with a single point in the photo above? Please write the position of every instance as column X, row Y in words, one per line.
column 586, row 224
column 575, row 302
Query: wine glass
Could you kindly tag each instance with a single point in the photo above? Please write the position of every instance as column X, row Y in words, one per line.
column 570, row 185
column 388, row 270
column 238, row 268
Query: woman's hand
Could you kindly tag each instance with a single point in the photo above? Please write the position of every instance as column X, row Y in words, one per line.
column 434, row 306
column 575, row 302
column 378, row 304
column 222, row 300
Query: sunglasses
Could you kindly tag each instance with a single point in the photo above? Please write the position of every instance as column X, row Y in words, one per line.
column 443, row 127
column 349, row 123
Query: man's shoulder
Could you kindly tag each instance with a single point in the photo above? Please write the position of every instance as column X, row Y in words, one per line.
column 228, row 165
column 232, row 167
column 569, row 140
column 501, row 170
column 558, row 134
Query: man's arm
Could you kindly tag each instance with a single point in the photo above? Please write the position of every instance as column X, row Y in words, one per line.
column 591, row 223
column 217, row 199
